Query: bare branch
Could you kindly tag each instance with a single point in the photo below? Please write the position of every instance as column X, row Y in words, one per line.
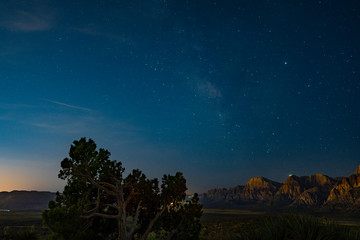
column 136, row 219
column 116, row 180
column 109, row 185
column 150, row 226
column 121, row 193
column 98, row 200
column 101, row 185
column 110, row 192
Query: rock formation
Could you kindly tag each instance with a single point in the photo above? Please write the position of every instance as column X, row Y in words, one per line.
column 307, row 191
column 357, row 171
column 347, row 193
column 223, row 195
column 260, row 189
column 292, row 188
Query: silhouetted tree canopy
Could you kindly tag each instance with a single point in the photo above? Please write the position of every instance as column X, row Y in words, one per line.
column 99, row 203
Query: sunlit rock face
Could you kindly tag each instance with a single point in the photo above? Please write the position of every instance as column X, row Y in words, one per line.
column 341, row 194
column 312, row 197
column 292, row 188
column 261, row 189
column 317, row 190
column 320, row 180
column 307, row 190
column 347, row 193
column 357, row 171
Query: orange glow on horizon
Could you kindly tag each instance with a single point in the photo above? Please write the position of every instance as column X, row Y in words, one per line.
column 28, row 177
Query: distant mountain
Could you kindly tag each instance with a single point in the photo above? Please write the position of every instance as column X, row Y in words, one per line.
column 317, row 190
column 347, row 193
column 25, row 200
column 260, row 189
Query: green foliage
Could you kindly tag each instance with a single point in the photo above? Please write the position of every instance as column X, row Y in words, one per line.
column 160, row 234
column 66, row 223
column 187, row 213
column 99, row 203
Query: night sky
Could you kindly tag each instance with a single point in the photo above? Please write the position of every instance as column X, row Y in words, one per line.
column 220, row 90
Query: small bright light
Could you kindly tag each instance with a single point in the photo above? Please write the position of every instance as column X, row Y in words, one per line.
column 290, row 175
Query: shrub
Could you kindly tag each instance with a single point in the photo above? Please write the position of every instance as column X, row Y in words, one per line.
column 22, row 234
column 299, row 227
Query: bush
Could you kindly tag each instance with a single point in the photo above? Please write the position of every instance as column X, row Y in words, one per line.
column 299, row 227
column 20, row 234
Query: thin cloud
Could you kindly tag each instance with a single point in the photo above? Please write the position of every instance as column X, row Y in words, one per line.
column 93, row 32
column 95, row 125
column 27, row 16
column 76, row 127
column 68, row 123
column 23, row 21
column 70, row 106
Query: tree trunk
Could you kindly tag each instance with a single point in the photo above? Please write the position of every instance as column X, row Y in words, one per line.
column 151, row 224
column 120, row 237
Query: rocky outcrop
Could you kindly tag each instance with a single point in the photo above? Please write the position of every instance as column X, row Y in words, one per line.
column 223, row 195
column 320, row 180
column 347, row 193
column 357, row 171
column 310, row 197
column 235, row 194
column 216, row 194
column 340, row 194
column 307, row 191
column 291, row 189
column 261, row 189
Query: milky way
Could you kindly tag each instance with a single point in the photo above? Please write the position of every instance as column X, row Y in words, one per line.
column 220, row 90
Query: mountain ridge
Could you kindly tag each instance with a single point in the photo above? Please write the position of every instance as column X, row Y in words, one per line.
column 21, row 200
column 314, row 191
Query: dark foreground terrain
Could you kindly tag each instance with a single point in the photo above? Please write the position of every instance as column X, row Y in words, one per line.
column 225, row 224
column 20, row 218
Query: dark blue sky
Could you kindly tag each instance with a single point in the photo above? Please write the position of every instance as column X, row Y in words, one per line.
column 220, row 90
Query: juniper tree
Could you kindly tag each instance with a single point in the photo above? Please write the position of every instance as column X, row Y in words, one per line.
column 98, row 202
